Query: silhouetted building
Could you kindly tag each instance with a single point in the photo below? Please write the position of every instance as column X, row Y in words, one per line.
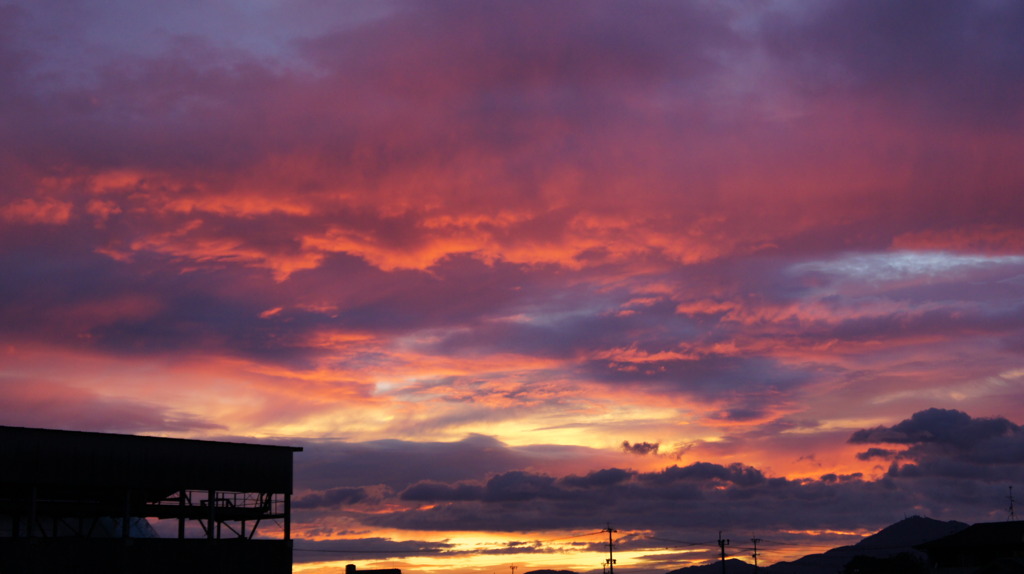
column 85, row 503
column 351, row 569
column 984, row 548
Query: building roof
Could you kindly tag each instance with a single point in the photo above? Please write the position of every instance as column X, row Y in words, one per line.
column 54, row 458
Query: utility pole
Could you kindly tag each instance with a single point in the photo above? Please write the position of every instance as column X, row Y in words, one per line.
column 611, row 558
column 1013, row 516
column 755, row 540
column 513, row 567
column 722, row 543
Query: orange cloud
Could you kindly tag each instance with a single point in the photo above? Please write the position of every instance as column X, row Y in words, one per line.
column 189, row 242
column 47, row 211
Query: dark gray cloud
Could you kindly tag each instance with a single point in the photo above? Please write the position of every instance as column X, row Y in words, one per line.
column 82, row 299
column 570, row 322
column 599, row 478
column 709, row 375
column 398, row 464
column 736, row 474
column 428, row 491
column 331, row 497
column 701, row 495
column 945, row 444
column 364, row 549
column 582, row 46
column 953, row 60
column 640, row 448
column 519, row 486
column 874, row 452
column 705, row 496
column 946, row 427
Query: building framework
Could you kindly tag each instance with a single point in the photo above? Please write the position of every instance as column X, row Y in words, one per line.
column 83, row 502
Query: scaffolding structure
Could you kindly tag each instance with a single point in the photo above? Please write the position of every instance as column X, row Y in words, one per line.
column 82, row 502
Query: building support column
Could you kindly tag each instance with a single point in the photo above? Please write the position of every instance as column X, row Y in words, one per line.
column 33, row 493
column 181, row 515
column 287, row 516
column 126, row 520
column 211, row 495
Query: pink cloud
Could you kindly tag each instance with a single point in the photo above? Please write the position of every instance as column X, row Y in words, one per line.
column 46, row 211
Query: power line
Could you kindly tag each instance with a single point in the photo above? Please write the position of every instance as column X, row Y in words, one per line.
column 1013, row 516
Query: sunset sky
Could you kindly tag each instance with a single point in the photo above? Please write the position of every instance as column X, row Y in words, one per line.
column 513, row 272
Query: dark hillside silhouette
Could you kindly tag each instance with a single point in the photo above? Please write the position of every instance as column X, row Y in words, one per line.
column 895, row 540
column 990, row 547
column 732, row 566
column 898, row 538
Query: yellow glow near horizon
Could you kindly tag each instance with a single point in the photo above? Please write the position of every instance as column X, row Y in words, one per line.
column 582, row 561
column 495, row 552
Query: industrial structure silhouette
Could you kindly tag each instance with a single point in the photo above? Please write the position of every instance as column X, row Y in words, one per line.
column 81, row 503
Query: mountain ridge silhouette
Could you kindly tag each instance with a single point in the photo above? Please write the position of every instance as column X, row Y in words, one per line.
column 897, row 538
